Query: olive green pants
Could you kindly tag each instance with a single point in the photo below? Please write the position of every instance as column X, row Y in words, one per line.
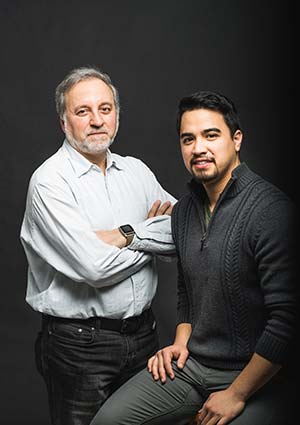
column 141, row 400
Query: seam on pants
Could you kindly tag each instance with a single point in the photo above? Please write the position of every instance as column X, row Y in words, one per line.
column 160, row 415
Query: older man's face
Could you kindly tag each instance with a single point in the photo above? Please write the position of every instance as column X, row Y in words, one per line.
column 90, row 120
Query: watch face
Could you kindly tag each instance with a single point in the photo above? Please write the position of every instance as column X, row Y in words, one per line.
column 127, row 228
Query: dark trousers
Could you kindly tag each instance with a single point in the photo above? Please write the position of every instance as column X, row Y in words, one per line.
column 84, row 361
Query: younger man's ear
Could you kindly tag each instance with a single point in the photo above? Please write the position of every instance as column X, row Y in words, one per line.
column 237, row 139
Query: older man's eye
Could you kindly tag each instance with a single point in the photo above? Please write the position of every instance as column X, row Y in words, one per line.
column 81, row 112
column 106, row 109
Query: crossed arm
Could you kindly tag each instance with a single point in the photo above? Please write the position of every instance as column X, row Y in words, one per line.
column 114, row 237
column 55, row 229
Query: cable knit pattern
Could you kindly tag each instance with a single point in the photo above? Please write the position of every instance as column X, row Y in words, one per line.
column 236, row 280
column 240, row 331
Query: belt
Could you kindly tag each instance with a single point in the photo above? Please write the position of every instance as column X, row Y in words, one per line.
column 129, row 325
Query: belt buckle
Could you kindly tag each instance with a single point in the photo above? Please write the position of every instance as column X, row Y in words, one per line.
column 130, row 325
column 124, row 326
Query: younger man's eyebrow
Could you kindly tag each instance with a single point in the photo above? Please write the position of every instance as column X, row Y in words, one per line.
column 215, row 129
column 186, row 134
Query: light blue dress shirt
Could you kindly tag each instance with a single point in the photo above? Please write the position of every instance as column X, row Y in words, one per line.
column 71, row 272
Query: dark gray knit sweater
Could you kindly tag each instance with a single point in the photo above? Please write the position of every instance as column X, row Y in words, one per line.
column 236, row 278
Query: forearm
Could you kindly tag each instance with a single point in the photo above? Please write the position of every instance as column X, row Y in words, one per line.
column 112, row 237
column 256, row 374
column 183, row 333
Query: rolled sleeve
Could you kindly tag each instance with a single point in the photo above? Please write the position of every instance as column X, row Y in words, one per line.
column 154, row 235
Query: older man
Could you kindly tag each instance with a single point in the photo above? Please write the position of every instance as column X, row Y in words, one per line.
column 93, row 225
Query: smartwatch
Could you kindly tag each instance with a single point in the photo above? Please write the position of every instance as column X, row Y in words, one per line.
column 128, row 232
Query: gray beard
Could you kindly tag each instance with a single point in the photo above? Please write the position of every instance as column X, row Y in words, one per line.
column 88, row 147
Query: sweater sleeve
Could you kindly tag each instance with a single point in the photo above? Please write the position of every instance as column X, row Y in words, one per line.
column 177, row 226
column 183, row 305
column 275, row 256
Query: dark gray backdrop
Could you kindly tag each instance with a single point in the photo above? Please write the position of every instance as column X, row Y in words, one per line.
column 155, row 52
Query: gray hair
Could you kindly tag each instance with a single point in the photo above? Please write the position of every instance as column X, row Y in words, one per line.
column 75, row 76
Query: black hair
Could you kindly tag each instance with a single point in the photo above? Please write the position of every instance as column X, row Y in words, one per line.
column 213, row 101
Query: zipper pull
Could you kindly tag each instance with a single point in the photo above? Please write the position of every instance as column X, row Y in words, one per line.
column 203, row 241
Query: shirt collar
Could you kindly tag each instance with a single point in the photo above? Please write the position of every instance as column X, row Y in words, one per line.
column 82, row 165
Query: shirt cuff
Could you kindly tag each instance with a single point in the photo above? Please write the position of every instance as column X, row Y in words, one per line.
column 154, row 235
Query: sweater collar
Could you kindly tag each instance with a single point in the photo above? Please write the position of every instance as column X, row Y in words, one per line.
column 240, row 178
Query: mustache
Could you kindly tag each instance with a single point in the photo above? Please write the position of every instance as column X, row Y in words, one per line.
column 207, row 158
column 94, row 129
